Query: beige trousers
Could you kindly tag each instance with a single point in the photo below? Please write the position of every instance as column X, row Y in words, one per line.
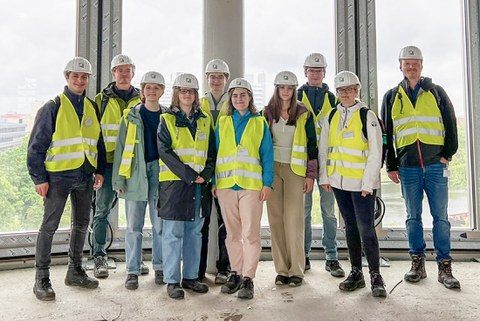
column 287, row 221
column 242, row 214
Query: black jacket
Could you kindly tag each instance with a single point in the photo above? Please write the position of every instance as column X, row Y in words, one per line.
column 419, row 153
column 177, row 198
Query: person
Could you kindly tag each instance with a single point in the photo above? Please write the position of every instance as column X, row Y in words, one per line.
column 295, row 168
column 186, row 148
column 421, row 133
column 112, row 101
column 214, row 103
column 135, row 175
column 66, row 156
column 349, row 165
column 243, row 181
column 315, row 95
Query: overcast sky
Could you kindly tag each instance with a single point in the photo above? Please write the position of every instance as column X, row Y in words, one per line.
column 162, row 35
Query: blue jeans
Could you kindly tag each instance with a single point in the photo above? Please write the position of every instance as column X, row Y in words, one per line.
column 181, row 240
column 135, row 212
column 430, row 179
column 105, row 197
column 329, row 237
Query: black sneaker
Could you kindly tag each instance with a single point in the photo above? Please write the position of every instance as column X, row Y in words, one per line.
column 246, row 289
column 282, row 280
column 295, row 281
column 159, row 277
column 144, row 269
column 221, row 277
column 43, row 290
column 417, row 271
column 194, row 285
column 131, row 282
column 378, row 286
column 76, row 276
column 307, row 263
column 233, row 283
column 335, row 269
column 175, row 291
column 100, row 267
column 354, row 281
column 445, row 275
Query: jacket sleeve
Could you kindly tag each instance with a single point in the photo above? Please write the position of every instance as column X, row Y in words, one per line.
column 209, row 169
column 386, row 115
column 168, row 156
column 40, row 139
column 118, row 181
column 450, row 124
column 102, row 153
column 374, row 160
column 312, row 150
column 266, row 156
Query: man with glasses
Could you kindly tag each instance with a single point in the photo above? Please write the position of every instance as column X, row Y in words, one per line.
column 421, row 131
column 316, row 96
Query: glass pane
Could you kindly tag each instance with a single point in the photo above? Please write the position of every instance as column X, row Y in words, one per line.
column 36, row 49
column 440, row 39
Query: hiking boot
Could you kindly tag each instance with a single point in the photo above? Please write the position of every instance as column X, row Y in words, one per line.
column 354, row 281
column 195, row 285
column 282, row 280
column 221, row 277
column 76, row 276
column 295, row 281
column 233, row 283
column 174, row 291
column 131, row 282
column 159, row 277
column 246, row 289
column 43, row 290
column 445, row 275
column 307, row 263
column 100, row 267
column 378, row 286
column 335, row 269
column 417, row 271
column 144, row 269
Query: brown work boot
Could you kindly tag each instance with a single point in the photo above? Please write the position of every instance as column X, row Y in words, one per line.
column 417, row 271
column 445, row 275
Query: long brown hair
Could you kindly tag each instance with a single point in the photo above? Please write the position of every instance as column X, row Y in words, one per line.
column 176, row 100
column 276, row 103
column 251, row 106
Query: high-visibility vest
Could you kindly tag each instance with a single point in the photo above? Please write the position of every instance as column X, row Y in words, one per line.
column 125, row 168
column 240, row 164
column 73, row 140
column 110, row 121
column 298, row 160
column 423, row 122
column 326, row 107
column 347, row 151
column 192, row 152
column 205, row 105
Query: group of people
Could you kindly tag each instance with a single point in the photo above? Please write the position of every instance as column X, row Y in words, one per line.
column 221, row 149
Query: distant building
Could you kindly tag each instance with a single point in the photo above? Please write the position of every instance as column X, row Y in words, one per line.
column 11, row 132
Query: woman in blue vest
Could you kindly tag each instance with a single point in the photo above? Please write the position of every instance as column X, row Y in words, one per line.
column 187, row 158
column 135, row 176
column 296, row 167
column 350, row 163
column 243, row 180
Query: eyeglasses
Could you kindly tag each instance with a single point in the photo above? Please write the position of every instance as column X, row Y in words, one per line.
column 219, row 77
column 315, row 71
column 346, row 90
column 187, row 91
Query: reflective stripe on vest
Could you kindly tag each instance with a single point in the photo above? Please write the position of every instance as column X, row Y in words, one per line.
column 298, row 160
column 326, row 107
column 240, row 164
column 347, row 151
column 423, row 122
column 191, row 152
column 125, row 168
column 73, row 140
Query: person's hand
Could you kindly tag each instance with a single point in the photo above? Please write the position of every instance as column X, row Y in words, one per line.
column 199, row 180
column 98, row 181
column 214, row 191
column 365, row 193
column 265, row 193
column 119, row 191
column 42, row 189
column 394, row 176
column 443, row 160
column 327, row 187
column 307, row 185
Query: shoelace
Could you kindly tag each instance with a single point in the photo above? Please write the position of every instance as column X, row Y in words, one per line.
column 447, row 268
column 46, row 283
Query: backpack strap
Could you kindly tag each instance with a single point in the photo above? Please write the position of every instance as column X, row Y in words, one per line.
column 332, row 113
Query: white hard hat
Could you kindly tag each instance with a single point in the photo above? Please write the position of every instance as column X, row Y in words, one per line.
column 410, row 52
column 153, row 77
column 120, row 60
column 78, row 64
column 285, row 78
column 315, row 60
column 240, row 83
column 217, row 65
column 186, row 80
column 346, row 78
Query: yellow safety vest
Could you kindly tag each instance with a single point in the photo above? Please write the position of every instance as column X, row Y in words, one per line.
column 298, row 161
column 110, row 121
column 205, row 105
column 423, row 122
column 326, row 108
column 125, row 168
column 240, row 164
column 347, row 151
column 73, row 140
column 191, row 152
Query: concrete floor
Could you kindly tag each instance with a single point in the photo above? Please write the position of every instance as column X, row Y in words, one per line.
column 317, row 299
